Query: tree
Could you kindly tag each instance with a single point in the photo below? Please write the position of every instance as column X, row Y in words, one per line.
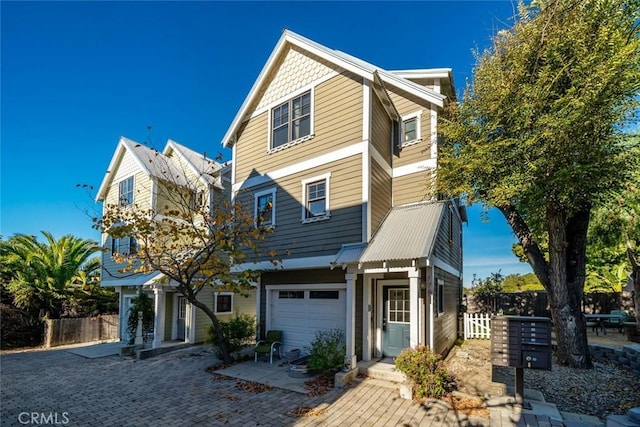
column 193, row 240
column 42, row 276
column 490, row 285
column 614, row 239
column 540, row 135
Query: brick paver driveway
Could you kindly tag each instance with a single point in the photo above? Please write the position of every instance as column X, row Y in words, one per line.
column 57, row 387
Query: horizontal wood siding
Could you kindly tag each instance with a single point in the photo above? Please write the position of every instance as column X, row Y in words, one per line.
column 291, row 238
column 446, row 324
column 359, row 316
column 142, row 191
column 240, row 305
column 380, row 195
column 411, row 188
column 406, row 103
column 381, row 130
column 337, row 124
column 447, row 248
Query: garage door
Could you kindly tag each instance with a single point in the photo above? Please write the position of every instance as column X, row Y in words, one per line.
column 300, row 312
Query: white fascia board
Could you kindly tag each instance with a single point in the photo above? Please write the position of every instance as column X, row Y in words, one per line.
column 414, row 168
column 321, row 160
column 124, row 145
column 436, row 262
column 412, row 88
column 228, row 137
column 287, row 264
column 427, row 73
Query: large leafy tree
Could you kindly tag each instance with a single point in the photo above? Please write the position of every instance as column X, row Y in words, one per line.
column 42, row 276
column 193, row 241
column 614, row 239
column 539, row 134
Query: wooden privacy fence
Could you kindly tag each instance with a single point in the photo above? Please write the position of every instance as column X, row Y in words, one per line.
column 477, row 325
column 79, row 330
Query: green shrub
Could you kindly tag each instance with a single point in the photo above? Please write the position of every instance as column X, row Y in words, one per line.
column 140, row 304
column 238, row 332
column 327, row 351
column 426, row 371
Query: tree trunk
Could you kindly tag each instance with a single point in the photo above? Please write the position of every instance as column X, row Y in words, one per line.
column 567, row 246
column 562, row 277
column 222, row 344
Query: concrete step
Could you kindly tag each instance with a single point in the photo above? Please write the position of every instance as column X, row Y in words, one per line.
column 621, row 421
column 580, row 420
column 383, row 369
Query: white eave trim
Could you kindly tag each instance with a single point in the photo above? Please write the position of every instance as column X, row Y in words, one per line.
column 342, row 60
column 125, row 144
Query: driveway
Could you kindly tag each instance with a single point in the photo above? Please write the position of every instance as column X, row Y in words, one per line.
column 62, row 388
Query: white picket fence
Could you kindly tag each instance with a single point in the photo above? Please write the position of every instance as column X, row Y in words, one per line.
column 477, row 325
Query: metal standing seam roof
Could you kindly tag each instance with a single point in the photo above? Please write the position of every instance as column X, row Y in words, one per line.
column 407, row 232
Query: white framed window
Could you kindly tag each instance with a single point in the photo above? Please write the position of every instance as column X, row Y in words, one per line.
column 291, row 121
column 264, row 210
column 123, row 245
column 223, row 302
column 440, row 296
column 315, row 199
column 411, row 129
column 125, row 192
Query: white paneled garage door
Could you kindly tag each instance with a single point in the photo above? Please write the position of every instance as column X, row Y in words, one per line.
column 299, row 312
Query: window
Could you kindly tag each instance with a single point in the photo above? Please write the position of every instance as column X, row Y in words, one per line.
column 440, row 296
column 324, row 294
column 125, row 196
column 223, row 302
column 291, row 120
column 411, row 129
column 398, row 305
column 123, row 246
column 265, row 208
column 315, row 194
column 291, row 294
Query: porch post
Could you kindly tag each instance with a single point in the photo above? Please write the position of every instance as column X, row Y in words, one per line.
column 414, row 302
column 350, row 333
column 158, row 319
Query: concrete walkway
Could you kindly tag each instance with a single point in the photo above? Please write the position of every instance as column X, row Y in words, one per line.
column 174, row 389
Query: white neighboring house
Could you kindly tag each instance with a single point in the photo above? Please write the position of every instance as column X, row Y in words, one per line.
column 135, row 176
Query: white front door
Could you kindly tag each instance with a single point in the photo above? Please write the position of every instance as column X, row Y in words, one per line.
column 126, row 305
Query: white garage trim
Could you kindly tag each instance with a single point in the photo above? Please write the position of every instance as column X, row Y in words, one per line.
column 272, row 303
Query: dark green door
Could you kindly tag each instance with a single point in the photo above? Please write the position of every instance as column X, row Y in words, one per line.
column 395, row 322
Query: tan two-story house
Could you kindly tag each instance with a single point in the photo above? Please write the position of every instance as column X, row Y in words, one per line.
column 338, row 156
column 142, row 178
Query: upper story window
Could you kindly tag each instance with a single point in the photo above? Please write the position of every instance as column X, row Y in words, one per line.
column 440, row 295
column 291, row 120
column 125, row 193
column 265, row 208
column 315, row 195
column 123, row 245
column 411, row 129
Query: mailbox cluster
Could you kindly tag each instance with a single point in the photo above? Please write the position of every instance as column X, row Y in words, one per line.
column 521, row 342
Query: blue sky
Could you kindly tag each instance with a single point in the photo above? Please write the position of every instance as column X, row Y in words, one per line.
column 75, row 76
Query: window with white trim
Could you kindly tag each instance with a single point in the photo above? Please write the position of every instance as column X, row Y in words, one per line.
column 440, row 296
column 223, row 302
column 315, row 199
column 265, row 208
column 411, row 128
column 125, row 192
column 291, row 120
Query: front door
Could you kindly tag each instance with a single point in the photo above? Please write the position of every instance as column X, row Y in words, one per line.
column 182, row 315
column 126, row 306
column 396, row 320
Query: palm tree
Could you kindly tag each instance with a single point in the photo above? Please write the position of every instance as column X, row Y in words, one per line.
column 43, row 275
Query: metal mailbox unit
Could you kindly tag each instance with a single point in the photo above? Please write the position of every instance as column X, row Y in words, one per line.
column 521, row 342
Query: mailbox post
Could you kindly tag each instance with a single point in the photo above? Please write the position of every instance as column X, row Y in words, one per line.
column 521, row 342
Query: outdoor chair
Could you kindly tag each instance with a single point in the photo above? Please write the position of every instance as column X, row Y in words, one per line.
column 270, row 345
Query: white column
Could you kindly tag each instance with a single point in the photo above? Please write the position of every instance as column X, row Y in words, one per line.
column 158, row 319
column 350, row 333
column 414, row 302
